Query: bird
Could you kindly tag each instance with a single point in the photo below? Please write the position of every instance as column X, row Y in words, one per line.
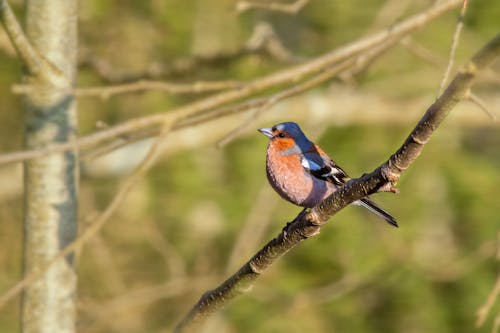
column 302, row 173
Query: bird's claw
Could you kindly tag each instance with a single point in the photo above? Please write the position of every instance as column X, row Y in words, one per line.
column 284, row 231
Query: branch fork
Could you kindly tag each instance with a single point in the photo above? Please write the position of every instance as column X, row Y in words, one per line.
column 36, row 63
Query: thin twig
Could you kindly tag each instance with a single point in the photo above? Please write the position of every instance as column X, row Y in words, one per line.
column 454, row 44
column 212, row 102
column 93, row 153
column 105, row 92
column 6, row 46
column 390, row 11
column 236, row 132
column 496, row 324
column 308, row 224
column 422, row 52
column 264, row 38
column 290, row 8
column 485, row 309
column 479, row 103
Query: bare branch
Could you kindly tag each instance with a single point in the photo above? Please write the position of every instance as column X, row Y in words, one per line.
column 6, row 46
column 211, row 103
column 105, row 92
column 390, row 11
column 454, row 44
column 35, row 62
column 290, row 8
column 485, row 309
column 93, row 153
column 308, row 224
column 496, row 324
column 265, row 38
column 422, row 52
column 18, row 38
column 479, row 103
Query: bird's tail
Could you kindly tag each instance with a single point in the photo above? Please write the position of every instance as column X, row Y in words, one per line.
column 372, row 207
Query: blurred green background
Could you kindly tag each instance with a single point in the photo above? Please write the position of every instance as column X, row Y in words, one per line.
column 202, row 211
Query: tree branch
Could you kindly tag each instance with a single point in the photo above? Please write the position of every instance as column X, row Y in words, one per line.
column 18, row 38
column 290, row 8
column 308, row 224
column 32, row 59
column 480, row 104
column 283, row 77
column 105, row 92
column 483, row 312
column 454, row 45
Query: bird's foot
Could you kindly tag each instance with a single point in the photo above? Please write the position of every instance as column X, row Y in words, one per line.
column 284, row 231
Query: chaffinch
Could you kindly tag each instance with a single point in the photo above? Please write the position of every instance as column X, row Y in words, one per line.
column 302, row 173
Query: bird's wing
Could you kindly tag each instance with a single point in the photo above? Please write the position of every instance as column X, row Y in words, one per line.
column 318, row 164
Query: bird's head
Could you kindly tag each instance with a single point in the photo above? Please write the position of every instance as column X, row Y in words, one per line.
column 287, row 137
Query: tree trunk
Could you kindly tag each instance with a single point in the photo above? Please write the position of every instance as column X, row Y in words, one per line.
column 51, row 182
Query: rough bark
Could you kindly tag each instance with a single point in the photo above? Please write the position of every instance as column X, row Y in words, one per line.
column 51, row 181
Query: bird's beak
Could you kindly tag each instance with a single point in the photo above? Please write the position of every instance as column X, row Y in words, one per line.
column 267, row 132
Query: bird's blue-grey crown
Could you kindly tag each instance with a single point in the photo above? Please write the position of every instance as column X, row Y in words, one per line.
column 290, row 127
column 294, row 130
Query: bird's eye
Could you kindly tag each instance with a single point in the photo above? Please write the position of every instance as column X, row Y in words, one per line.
column 281, row 135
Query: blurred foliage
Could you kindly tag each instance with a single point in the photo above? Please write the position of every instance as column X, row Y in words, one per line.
column 172, row 238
